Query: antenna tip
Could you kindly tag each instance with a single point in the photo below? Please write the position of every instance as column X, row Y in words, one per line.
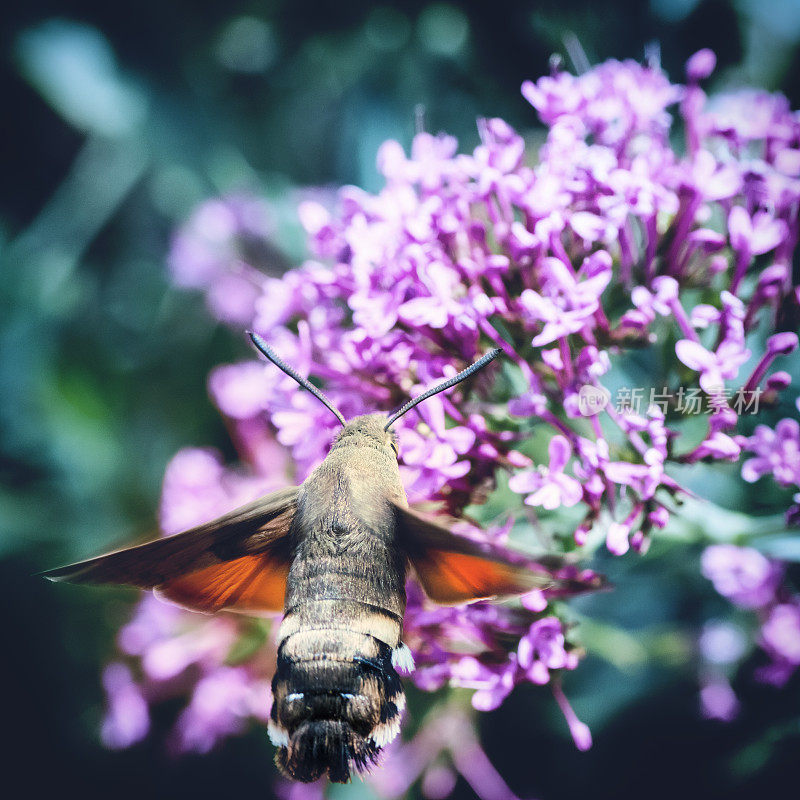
column 258, row 342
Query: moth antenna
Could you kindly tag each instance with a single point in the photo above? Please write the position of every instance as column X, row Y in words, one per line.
column 463, row 375
column 266, row 350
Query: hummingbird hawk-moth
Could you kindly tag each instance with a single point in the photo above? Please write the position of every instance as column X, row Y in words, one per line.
column 332, row 555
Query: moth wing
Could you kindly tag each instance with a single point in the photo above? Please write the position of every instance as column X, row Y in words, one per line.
column 453, row 569
column 248, row 585
column 238, row 561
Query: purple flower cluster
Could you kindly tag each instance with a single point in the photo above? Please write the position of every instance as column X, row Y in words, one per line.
column 177, row 653
column 464, row 646
column 776, row 452
column 721, row 646
column 741, row 574
column 605, row 241
column 220, row 250
column 756, row 583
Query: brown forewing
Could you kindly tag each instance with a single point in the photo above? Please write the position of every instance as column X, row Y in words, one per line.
column 453, row 569
column 257, row 529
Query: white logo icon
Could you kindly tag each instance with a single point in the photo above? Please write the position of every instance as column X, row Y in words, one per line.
column 592, row 399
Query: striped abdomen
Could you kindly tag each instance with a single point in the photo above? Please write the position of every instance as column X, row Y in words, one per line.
column 338, row 699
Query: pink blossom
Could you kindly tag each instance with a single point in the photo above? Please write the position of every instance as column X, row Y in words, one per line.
column 741, row 574
column 549, row 486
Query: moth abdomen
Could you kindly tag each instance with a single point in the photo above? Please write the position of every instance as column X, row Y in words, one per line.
column 338, row 702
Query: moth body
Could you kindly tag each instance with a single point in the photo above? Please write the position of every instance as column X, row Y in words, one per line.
column 337, row 696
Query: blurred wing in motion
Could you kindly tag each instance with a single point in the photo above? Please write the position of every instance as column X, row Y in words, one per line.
column 237, row 562
column 249, row 585
column 453, row 569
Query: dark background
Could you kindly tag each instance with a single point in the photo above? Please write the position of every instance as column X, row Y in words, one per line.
column 119, row 119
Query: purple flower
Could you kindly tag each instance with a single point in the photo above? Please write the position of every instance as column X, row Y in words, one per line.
column 168, row 641
column 430, row 165
column 221, row 704
column 714, row 366
column 428, row 463
column 780, row 634
column 649, row 304
column 438, row 782
column 716, row 445
column 741, row 574
column 212, row 250
column 781, row 344
column 542, row 649
column 718, row 700
column 568, row 301
column 581, row 734
column 777, row 453
column 780, row 637
column 617, row 538
column 240, row 390
column 701, row 65
column 722, row 643
column 615, row 101
column 197, row 488
column 752, row 236
column 549, row 487
column 493, row 684
column 127, row 718
column 756, row 235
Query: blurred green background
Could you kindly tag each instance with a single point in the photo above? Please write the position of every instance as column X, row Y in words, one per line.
column 119, row 119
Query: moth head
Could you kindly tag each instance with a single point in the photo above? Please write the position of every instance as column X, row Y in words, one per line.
column 374, row 428
column 369, row 431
